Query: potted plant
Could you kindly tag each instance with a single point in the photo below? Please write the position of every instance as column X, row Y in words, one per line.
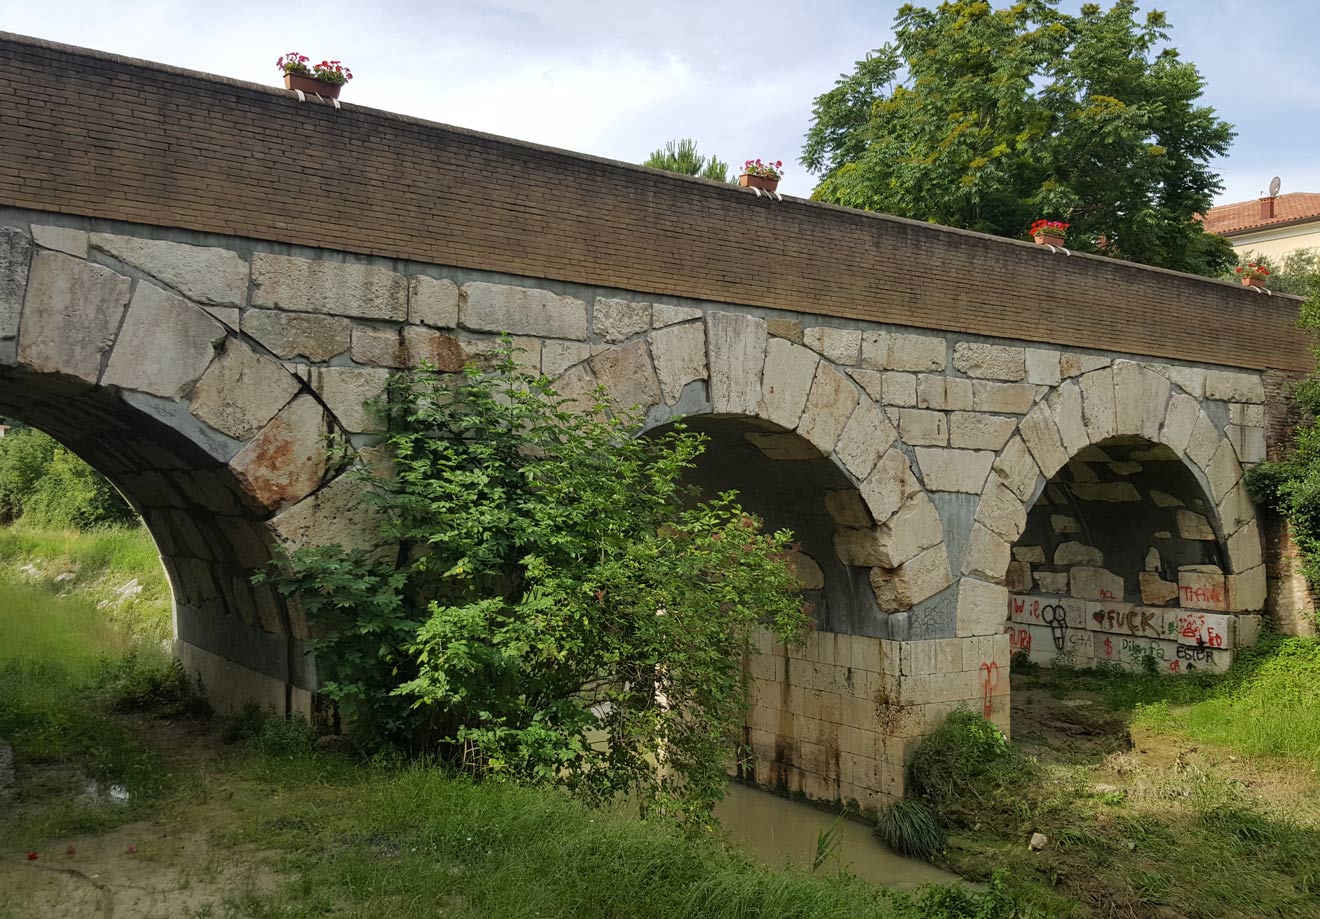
column 323, row 79
column 1252, row 274
column 1049, row 232
column 757, row 174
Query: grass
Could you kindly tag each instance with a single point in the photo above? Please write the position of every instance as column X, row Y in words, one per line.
column 98, row 562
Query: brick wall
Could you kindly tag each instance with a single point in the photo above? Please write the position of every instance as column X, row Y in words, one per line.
column 102, row 136
column 1291, row 603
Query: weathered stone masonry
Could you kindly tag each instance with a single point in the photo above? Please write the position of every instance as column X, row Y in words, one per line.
column 200, row 344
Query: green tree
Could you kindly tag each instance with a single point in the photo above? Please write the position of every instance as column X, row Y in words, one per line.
column 681, row 156
column 44, row 482
column 989, row 119
column 560, row 612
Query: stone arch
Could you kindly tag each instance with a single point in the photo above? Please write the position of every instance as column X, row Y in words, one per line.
column 1126, row 400
column 729, row 365
column 218, row 446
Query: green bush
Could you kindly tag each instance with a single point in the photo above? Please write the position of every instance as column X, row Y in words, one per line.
column 966, row 770
column 48, row 485
column 561, row 611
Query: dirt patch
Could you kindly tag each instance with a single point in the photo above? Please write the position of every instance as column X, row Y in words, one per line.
column 1075, row 729
column 151, row 870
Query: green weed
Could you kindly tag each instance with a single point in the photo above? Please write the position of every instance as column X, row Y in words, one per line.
column 909, row 828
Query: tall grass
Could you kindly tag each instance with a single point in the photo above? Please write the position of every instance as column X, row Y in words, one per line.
column 1268, row 703
column 100, row 561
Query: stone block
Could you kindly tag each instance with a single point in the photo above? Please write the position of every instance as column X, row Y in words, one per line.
column 71, row 315
column 376, row 347
column 736, row 344
column 205, row 274
column 1089, row 583
column 1016, row 468
column 1018, row 578
column 841, row 346
column 829, row 406
column 1246, row 589
column 336, row 288
column 1190, row 380
column 558, row 356
column 349, row 393
column 1140, row 399
column 1041, row 436
column 662, row 315
column 920, row 427
column 898, row 351
column 487, row 307
column 847, row 508
column 1033, row 554
column 1244, row 549
column 298, row 335
column 889, row 485
column 1192, row 525
column 987, row 556
column 1002, row 513
column 1057, row 612
column 1076, row 553
column 980, row 431
column 941, row 393
column 1179, row 421
column 782, row 446
column 15, row 252
column 871, row 381
column 679, row 353
column 917, row 579
column 1072, row 364
column 619, row 320
column 866, row 436
column 1129, row 619
column 1205, row 630
column 1098, row 410
column 61, row 239
column 287, row 460
column 1043, row 366
column 900, row 389
column 1202, row 589
column 1155, row 591
column 1051, row 582
column 1190, row 658
column 981, row 607
column 789, row 372
column 990, row 362
column 1247, row 629
column 1224, row 472
column 807, row 571
column 1236, row 509
column 1205, row 440
column 165, row 344
column 340, row 508
column 1253, row 445
column 1230, row 386
column 1111, row 492
column 1252, row 416
column 628, row 376
column 915, row 527
column 1066, row 405
column 945, row 469
column 1012, row 398
column 432, row 302
column 445, row 353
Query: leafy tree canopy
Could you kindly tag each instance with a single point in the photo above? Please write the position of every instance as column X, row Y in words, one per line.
column 48, row 485
column 681, row 156
column 560, row 611
column 989, row 119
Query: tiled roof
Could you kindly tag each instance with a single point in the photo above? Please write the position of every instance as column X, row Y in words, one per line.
column 1241, row 216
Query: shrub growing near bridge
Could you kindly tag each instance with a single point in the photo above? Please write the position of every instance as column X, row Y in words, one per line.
column 50, row 486
column 560, row 612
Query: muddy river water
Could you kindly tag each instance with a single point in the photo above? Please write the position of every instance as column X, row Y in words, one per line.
column 779, row 831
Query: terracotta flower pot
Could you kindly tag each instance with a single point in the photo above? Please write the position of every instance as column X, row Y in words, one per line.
column 1253, row 282
column 1048, row 239
column 747, row 180
column 308, row 85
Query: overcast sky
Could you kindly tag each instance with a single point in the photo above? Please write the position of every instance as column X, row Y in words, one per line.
column 618, row 79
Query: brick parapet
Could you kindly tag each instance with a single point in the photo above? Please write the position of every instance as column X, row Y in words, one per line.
column 102, row 136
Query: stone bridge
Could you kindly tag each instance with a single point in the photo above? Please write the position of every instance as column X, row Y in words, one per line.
column 983, row 445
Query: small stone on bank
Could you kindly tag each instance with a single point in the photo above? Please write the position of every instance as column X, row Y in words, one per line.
column 1038, row 841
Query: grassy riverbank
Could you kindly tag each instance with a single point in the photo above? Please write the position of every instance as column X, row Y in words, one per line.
column 1161, row 797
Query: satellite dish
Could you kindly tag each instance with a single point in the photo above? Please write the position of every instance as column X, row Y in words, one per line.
column 1274, row 187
